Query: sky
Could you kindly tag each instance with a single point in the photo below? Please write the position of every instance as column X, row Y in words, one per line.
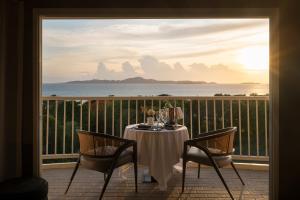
column 212, row 50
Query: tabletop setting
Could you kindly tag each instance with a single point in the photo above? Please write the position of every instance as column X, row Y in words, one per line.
column 165, row 118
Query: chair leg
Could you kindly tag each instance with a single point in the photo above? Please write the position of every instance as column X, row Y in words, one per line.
column 135, row 175
column 237, row 173
column 198, row 170
column 106, row 182
column 183, row 173
column 73, row 174
column 221, row 177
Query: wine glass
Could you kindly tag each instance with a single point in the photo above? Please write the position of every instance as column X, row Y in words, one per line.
column 164, row 115
column 157, row 117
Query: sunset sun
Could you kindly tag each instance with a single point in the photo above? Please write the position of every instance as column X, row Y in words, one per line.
column 254, row 58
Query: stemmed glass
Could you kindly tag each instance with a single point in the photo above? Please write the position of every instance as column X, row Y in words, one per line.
column 164, row 115
column 158, row 119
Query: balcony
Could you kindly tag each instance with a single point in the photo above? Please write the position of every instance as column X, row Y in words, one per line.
column 62, row 116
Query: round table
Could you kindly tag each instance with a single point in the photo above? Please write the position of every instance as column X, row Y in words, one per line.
column 159, row 150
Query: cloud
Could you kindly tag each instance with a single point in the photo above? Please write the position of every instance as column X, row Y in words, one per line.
column 127, row 71
column 214, row 51
column 98, row 31
column 202, row 53
column 168, row 32
column 152, row 68
column 149, row 66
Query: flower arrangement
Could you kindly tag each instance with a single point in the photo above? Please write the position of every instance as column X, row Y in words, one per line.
column 168, row 104
column 151, row 112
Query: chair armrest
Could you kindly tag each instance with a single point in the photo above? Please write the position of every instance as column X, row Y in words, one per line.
column 95, row 140
column 210, row 135
column 192, row 142
column 221, row 140
column 186, row 144
column 103, row 135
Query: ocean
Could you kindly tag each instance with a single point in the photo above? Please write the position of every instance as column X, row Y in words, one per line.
column 132, row 89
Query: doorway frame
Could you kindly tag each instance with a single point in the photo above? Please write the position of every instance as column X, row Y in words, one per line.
column 129, row 13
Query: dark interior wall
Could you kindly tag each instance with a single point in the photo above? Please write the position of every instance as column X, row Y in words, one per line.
column 289, row 109
column 2, row 44
column 155, row 4
column 289, row 76
column 10, row 135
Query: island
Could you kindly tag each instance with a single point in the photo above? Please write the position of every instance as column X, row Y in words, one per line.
column 136, row 80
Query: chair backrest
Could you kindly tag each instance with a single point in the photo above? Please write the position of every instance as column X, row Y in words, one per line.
column 219, row 142
column 97, row 144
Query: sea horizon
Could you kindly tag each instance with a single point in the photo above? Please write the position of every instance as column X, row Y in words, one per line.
column 152, row 89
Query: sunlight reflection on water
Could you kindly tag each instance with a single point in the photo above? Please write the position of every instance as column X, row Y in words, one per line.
column 152, row 89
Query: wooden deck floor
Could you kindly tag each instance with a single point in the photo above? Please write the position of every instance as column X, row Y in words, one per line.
column 88, row 184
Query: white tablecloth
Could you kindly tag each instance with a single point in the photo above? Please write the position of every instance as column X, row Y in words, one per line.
column 159, row 150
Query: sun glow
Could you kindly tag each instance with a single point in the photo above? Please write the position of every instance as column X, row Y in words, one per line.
column 254, row 58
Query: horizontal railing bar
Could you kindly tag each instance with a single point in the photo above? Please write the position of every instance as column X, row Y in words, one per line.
column 238, row 165
column 235, row 157
column 60, row 156
column 250, row 158
column 157, row 98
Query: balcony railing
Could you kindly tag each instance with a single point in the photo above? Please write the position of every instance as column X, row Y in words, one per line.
column 62, row 116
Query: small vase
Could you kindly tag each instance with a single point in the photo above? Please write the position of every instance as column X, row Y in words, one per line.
column 150, row 120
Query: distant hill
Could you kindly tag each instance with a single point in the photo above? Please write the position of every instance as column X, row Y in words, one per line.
column 136, row 80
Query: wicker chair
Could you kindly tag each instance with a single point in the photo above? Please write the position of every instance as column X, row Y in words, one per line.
column 104, row 153
column 212, row 149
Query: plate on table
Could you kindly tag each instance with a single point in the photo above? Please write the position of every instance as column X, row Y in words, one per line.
column 143, row 126
column 172, row 127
